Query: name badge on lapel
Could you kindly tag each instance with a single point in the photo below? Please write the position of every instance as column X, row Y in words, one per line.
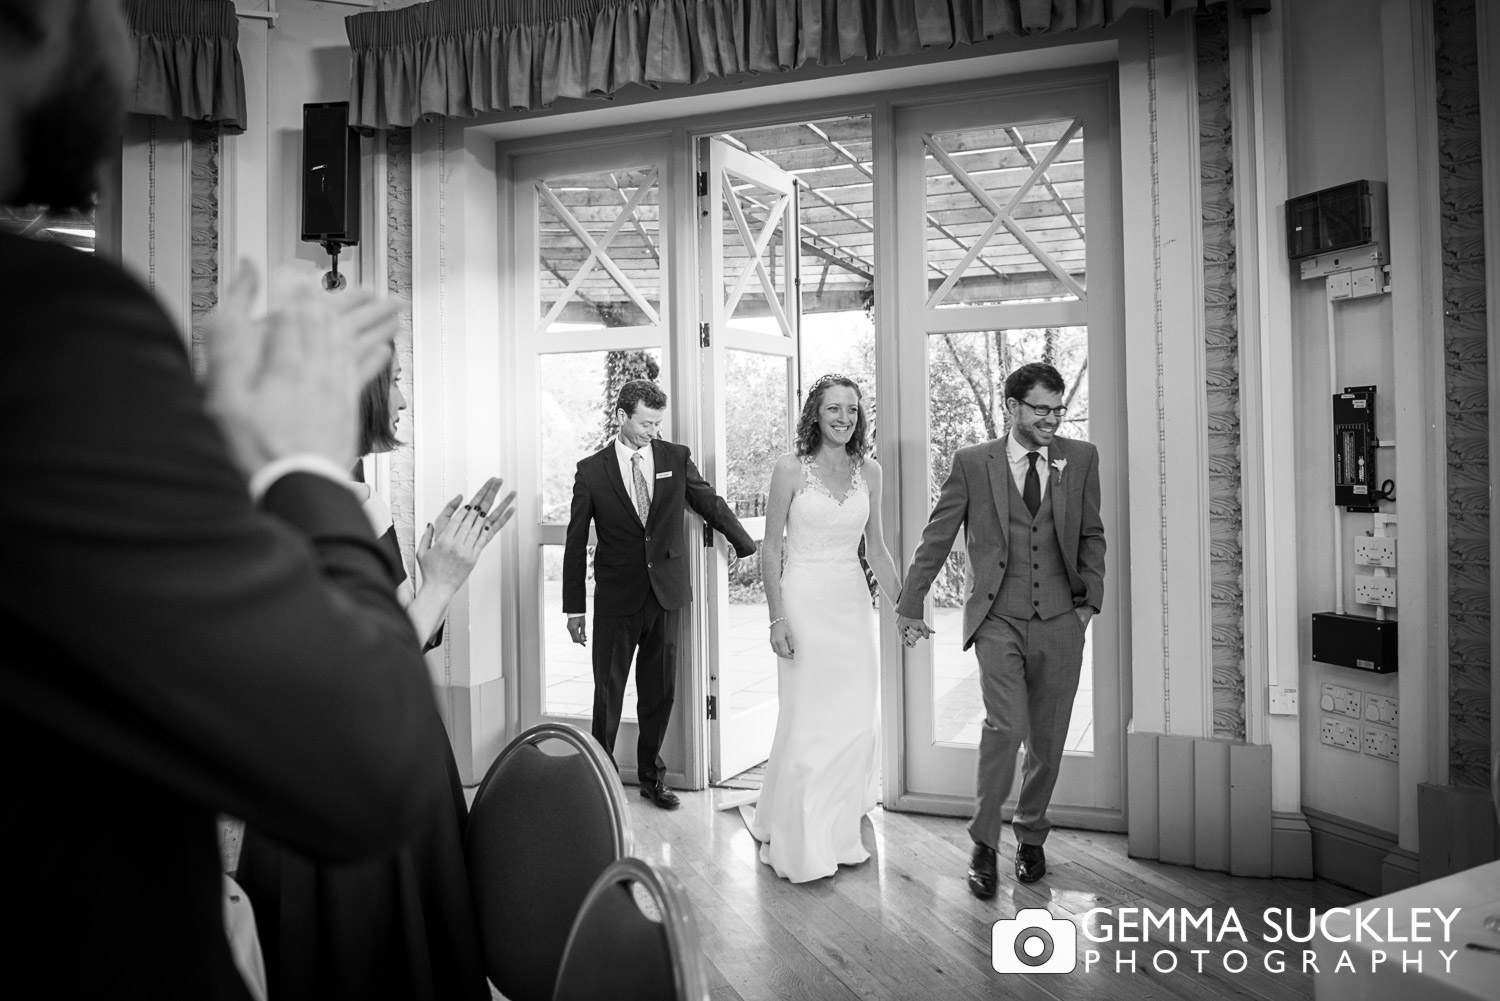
column 663, row 476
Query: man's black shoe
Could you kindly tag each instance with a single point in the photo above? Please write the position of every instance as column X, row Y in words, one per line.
column 982, row 874
column 661, row 796
column 1031, row 863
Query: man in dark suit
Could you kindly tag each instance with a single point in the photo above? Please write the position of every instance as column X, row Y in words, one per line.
column 634, row 491
column 1029, row 503
column 172, row 648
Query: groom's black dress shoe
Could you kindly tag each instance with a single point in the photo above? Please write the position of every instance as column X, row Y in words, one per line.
column 661, row 796
column 1031, row 863
column 982, row 874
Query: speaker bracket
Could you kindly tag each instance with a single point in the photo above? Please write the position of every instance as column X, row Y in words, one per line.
column 333, row 281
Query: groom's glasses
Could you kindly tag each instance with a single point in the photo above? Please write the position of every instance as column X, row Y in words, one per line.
column 1059, row 412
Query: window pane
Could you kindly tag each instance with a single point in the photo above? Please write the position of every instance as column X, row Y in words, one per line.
column 576, row 405
column 757, row 428
column 567, row 668
column 577, row 211
column 966, row 389
column 1005, row 214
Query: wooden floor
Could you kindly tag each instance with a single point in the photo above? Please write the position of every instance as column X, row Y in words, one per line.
column 903, row 926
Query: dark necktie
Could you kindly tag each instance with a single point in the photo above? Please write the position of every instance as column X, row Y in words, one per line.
column 1032, row 493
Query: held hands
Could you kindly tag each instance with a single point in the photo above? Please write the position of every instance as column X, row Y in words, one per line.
column 912, row 630
column 781, row 639
column 451, row 545
column 288, row 383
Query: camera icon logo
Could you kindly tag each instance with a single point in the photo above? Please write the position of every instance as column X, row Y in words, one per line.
column 1034, row 942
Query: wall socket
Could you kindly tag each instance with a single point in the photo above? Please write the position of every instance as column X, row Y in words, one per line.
column 1370, row 590
column 1382, row 709
column 1370, row 551
column 1339, row 733
column 1341, row 700
column 1381, row 743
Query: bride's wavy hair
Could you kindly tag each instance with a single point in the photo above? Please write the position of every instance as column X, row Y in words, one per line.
column 810, row 435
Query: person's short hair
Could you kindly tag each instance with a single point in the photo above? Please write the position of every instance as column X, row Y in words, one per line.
column 375, row 431
column 637, row 392
column 1021, row 382
column 810, row 433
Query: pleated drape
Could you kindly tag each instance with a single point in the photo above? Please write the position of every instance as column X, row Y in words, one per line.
column 188, row 61
column 461, row 58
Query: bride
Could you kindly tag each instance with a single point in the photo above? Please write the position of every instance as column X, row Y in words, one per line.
column 821, row 778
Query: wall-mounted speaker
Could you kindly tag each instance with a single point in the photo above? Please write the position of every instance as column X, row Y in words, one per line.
column 330, row 175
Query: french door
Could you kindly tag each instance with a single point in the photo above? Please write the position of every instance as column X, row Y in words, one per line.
column 590, row 252
column 1006, row 246
column 748, row 252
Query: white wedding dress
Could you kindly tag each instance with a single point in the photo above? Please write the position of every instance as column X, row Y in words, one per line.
column 821, row 777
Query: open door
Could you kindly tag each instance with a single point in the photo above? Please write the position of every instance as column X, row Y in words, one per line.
column 751, row 312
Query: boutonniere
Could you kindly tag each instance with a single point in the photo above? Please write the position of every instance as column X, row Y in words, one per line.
column 1059, row 465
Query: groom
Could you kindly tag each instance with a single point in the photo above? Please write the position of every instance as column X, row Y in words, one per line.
column 634, row 491
column 1030, row 504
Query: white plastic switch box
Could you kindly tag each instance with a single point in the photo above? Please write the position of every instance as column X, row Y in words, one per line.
column 1371, row 590
column 1371, row 551
column 1339, row 733
column 1381, row 709
column 1341, row 700
column 1381, row 743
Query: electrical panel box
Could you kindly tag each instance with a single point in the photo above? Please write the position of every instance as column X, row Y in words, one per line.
column 1356, row 641
column 1337, row 218
column 1354, row 448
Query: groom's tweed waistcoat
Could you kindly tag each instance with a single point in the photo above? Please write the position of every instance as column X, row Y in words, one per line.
column 1036, row 583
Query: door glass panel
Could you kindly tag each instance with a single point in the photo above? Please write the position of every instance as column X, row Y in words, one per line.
column 966, row 390
column 1005, row 215
column 757, row 430
column 567, row 668
column 576, row 404
column 598, row 250
column 754, row 251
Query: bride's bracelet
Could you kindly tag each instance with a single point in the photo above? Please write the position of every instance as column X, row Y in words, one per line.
column 774, row 621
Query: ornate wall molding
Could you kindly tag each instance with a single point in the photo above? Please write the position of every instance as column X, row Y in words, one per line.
column 1466, row 391
column 398, row 241
column 203, row 274
column 1221, row 334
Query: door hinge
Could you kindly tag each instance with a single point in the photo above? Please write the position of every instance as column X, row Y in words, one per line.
column 703, row 335
column 713, row 707
column 708, row 536
column 702, row 184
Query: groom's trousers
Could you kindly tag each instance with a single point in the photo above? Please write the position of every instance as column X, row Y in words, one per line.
column 1028, row 673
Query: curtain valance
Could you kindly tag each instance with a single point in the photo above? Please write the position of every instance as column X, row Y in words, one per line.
column 461, row 58
column 188, row 61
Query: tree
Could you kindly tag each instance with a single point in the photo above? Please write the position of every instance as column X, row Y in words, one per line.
column 621, row 367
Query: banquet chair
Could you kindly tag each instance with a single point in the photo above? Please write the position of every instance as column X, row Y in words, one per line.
column 548, row 818
column 622, row 949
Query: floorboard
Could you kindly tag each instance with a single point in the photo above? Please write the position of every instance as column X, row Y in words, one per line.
column 903, row 926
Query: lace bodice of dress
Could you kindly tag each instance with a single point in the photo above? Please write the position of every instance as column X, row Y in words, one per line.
column 822, row 531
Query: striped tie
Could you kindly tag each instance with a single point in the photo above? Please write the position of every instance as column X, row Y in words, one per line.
column 642, row 495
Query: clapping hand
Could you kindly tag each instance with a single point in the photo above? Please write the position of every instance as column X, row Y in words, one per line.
column 453, row 542
column 912, row 630
column 288, row 383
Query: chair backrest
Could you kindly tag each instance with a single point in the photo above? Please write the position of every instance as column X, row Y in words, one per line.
column 621, row 952
column 548, row 818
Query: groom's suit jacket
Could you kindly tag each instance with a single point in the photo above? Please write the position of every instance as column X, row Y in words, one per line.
column 632, row 559
column 977, row 496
